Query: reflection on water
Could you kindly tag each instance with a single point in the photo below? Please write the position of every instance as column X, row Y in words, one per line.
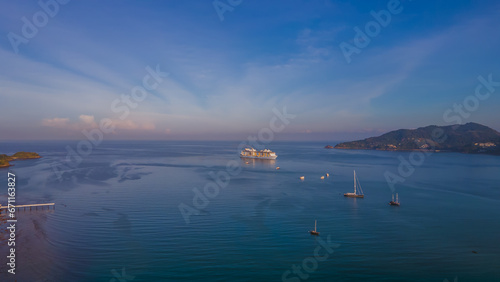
column 258, row 163
column 120, row 210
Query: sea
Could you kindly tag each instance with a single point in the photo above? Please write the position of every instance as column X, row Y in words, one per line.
column 195, row 211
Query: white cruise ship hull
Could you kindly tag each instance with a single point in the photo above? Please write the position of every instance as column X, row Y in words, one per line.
column 262, row 158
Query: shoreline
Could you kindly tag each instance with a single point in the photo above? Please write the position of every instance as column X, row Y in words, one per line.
column 5, row 159
column 421, row 150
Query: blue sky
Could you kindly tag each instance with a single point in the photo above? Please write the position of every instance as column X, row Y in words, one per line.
column 225, row 77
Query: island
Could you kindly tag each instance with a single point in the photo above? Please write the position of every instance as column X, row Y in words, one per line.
column 471, row 138
column 329, row 147
column 4, row 159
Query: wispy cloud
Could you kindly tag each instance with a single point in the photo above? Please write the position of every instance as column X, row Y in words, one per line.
column 225, row 81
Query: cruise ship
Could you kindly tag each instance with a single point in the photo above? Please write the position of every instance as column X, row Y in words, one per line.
column 251, row 153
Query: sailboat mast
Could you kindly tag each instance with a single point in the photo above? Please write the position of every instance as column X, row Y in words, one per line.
column 397, row 200
column 354, row 182
column 315, row 226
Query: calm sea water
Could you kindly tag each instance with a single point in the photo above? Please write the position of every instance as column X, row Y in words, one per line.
column 117, row 215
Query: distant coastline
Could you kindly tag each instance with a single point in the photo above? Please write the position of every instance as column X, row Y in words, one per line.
column 471, row 138
column 5, row 159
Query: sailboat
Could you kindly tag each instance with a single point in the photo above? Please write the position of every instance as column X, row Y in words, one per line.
column 394, row 203
column 314, row 232
column 358, row 192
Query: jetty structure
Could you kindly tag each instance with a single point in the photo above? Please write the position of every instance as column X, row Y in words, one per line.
column 35, row 206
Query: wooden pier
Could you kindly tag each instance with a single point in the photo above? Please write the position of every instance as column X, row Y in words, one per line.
column 36, row 206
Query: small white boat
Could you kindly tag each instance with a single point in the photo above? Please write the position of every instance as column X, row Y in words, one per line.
column 394, row 203
column 314, row 232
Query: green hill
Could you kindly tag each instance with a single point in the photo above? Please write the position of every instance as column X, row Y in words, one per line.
column 4, row 163
column 466, row 138
column 25, row 155
column 4, row 159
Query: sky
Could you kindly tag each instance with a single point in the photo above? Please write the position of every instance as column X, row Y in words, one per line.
column 227, row 66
